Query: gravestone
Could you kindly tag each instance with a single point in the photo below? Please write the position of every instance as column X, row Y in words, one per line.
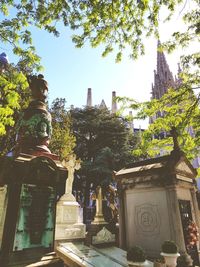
column 152, row 193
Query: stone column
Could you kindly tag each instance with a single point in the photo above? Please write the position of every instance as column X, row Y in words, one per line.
column 114, row 103
column 175, row 218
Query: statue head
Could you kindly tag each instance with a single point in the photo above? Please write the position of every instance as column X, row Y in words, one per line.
column 38, row 86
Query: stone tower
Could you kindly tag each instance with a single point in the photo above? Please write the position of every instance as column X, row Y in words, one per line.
column 114, row 102
column 89, row 98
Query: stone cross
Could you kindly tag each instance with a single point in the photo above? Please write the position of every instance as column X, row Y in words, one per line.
column 99, row 218
column 71, row 164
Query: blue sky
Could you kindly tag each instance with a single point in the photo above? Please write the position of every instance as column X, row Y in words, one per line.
column 70, row 71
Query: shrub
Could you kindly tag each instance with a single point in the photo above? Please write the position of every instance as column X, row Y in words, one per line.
column 136, row 254
column 169, row 247
column 184, row 260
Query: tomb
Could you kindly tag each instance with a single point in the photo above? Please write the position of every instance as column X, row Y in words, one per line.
column 157, row 203
column 31, row 178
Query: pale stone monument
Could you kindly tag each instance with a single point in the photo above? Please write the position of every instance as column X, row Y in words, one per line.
column 157, row 202
column 68, row 222
column 99, row 218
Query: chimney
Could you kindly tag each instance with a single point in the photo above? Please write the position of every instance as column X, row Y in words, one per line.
column 89, row 98
column 114, row 103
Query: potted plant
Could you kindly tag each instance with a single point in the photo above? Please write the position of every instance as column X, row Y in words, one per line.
column 170, row 253
column 184, row 260
column 136, row 257
column 160, row 262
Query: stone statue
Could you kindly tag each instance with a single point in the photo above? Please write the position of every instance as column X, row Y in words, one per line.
column 71, row 164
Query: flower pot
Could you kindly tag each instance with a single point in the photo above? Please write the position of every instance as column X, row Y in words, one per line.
column 137, row 264
column 170, row 259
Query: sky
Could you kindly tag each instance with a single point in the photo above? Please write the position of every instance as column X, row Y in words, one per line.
column 71, row 71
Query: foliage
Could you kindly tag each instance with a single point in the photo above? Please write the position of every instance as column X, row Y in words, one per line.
column 103, row 142
column 63, row 141
column 14, row 96
column 136, row 254
column 178, row 109
column 169, row 247
column 116, row 24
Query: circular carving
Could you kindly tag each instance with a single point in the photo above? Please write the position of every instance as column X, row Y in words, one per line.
column 147, row 219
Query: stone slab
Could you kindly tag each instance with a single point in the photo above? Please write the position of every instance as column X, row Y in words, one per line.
column 70, row 231
column 77, row 254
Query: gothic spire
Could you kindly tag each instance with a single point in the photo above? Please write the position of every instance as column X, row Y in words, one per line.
column 163, row 78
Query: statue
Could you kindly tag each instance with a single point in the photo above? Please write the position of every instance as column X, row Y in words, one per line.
column 34, row 125
column 38, row 86
column 72, row 164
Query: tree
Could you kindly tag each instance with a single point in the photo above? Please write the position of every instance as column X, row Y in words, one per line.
column 63, row 141
column 118, row 23
column 180, row 111
column 14, row 96
column 103, row 142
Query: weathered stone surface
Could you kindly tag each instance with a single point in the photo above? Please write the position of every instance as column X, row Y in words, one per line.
column 151, row 193
column 77, row 254
column 3, row 205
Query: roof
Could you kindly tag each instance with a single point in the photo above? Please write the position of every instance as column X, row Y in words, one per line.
column 175, row 164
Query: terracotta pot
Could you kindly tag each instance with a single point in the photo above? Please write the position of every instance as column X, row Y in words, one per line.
column 170, row 259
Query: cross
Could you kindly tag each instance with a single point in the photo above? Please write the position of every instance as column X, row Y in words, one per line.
column 71, row 164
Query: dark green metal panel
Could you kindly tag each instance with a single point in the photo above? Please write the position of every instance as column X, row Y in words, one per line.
column 35, row 224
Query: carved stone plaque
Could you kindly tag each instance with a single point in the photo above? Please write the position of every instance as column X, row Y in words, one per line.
column 103, row 236
column 147, row 219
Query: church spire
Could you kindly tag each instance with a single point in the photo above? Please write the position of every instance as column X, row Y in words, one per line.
column 163, row 78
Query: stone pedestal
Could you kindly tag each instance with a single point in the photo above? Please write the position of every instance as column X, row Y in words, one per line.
column 100, row 232
column 27, row 207
column 68, row 222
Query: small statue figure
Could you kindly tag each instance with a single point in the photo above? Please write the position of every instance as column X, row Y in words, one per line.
column 34, row 125
column 72, row 164
column 38, row 86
